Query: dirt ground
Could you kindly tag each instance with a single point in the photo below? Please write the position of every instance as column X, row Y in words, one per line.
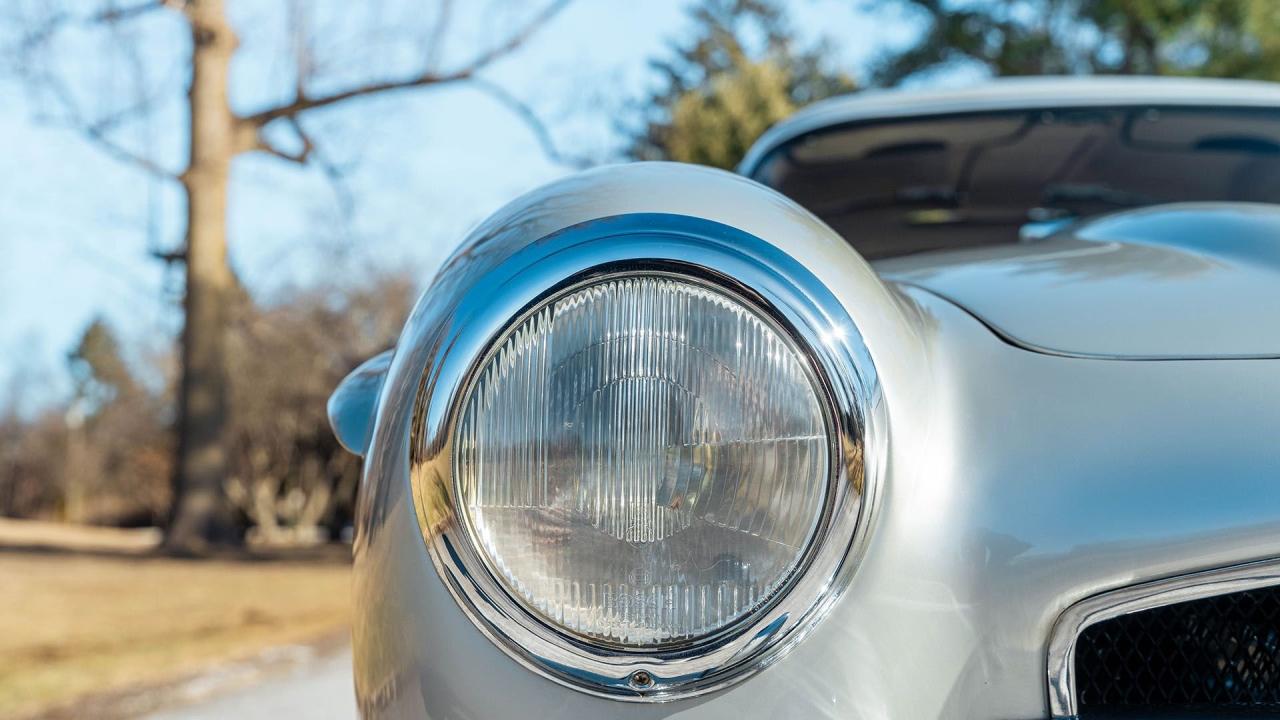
column 92, row 612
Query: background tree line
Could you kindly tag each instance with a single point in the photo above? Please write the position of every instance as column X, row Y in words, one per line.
column 227, row 432
column 105, row 456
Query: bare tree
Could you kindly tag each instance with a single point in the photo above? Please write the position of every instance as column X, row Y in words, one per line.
column 288, row 475
column 217, row 134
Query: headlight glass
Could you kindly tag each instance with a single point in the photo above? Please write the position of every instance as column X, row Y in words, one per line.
column 643, row 460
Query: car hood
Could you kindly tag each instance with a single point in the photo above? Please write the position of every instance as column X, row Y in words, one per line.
column 1179, row 281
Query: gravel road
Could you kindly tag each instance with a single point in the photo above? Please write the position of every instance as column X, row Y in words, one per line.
column 319, row 689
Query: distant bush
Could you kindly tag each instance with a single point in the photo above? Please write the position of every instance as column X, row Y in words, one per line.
column 104, row 456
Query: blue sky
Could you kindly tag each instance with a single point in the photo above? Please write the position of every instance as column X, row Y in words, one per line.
column 423, row 167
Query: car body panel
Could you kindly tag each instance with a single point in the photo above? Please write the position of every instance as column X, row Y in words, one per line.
column 1191, row 280
column 351, row 407
column 1016, row 484
column 994, row 519
column 1059, row 418
column 435, row 342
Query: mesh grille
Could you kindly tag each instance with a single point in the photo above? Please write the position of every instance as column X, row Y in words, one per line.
column 1194, row 659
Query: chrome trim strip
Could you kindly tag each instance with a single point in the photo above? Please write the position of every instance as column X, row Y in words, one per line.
column 709, row 252
column 1136, row 598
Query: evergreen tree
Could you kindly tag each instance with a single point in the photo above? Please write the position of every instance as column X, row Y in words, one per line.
column 1212, row 38
column 739, row 74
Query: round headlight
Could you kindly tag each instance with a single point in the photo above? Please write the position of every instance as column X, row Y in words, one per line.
column 643, row 460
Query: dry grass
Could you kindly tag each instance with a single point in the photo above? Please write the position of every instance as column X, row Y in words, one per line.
column 76, row 622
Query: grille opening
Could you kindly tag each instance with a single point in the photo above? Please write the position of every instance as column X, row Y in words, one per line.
column 1215, row 657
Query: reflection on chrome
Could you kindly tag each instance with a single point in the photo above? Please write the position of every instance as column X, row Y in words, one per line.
column 671, row 425
column 643, row 460
column 1136, row 598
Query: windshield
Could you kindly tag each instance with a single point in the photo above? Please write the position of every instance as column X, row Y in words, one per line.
column 897, row 187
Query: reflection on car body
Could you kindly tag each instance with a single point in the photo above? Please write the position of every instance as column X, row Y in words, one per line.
column 953, row 404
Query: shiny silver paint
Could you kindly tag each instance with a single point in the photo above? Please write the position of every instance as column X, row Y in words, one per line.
column 506, row 272
column 1062, row 645
column 352, row 405
column 718, row 256
column 1017, row 485
column 1188, row 280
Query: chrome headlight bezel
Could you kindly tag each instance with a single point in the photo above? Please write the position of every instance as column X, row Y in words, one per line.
column 726, row 259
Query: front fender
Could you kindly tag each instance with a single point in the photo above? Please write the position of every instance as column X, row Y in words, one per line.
column 407, row 625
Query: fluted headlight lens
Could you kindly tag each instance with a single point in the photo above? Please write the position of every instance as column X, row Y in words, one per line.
column 643, row 460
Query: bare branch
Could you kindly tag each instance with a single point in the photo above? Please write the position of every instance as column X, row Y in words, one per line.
column 304, row 64
column 515, row 40
column 124, row 154
column 310, row 153
column 115, row 13
column 99, row 132
column 111, row 15
column 338, row 184
column 535, row 123
column 300, row 157
column 435, row 44
column 302, row 103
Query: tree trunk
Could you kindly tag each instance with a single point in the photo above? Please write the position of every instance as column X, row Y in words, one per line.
column 75, row 475
column 201, row 516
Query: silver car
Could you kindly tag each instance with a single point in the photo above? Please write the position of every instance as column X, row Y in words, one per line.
column 951, row 404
